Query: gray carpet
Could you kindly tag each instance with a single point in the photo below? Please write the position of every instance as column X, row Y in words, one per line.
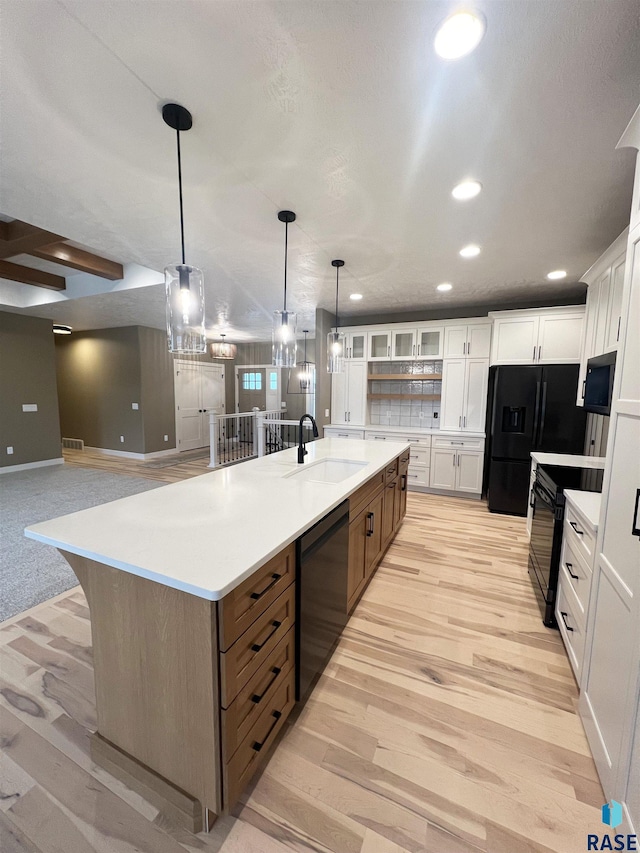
column 31, row 572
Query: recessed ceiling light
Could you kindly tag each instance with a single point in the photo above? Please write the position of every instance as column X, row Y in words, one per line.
column 466, row 190
column 355, row 296
column 458, row 35
column 59, row 329
column 556, row 274
column 470, row 251
column 444, row 286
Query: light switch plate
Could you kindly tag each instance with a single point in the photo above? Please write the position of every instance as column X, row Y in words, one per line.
column 122, row 438
column 135, row 406
column 166, row 438
column 326, row 413
column 9, row 450
column 29, row 407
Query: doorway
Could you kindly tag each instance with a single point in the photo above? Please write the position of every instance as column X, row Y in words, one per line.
column 199, row 390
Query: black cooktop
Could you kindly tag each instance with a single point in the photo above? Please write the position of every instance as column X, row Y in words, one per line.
column 563, row 477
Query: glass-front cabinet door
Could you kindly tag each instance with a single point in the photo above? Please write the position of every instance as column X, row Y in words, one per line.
column 430, row 342
column 379, row 346
column 357, row 346
column 403, row 344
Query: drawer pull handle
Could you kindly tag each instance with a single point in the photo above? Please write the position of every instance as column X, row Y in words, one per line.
column 564, row 619
column 575, row 527
column 404, row 483
column 257, row 646
column 257, row 698
column 276, row 716
column 569, row 567
column 370, row 525
column 257, row 595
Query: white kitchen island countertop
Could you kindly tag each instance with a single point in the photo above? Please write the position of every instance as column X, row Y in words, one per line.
column 587, row 503
column 207, row 534
column 569, row 459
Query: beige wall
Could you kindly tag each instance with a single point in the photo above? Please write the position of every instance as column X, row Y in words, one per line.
column 27, row 375
column 99, row 377
column 157, row 391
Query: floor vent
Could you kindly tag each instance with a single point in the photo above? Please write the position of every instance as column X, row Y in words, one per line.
column 73, row 443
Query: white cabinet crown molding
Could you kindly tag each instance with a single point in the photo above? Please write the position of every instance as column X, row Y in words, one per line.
column 599, row 267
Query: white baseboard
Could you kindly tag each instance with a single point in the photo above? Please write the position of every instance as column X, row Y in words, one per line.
column 129, row 455
column 43, row 463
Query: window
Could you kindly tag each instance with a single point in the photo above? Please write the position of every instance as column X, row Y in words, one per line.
column 252, row 382
column 273, row 381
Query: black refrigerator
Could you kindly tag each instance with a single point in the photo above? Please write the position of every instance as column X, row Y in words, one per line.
column 531, row 408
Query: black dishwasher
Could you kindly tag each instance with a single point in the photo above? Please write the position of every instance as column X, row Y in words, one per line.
column 322, row 556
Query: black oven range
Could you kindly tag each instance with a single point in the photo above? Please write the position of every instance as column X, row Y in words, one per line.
column 548, row 501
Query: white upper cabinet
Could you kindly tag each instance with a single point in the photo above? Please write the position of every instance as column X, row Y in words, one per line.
column 546, row 336
column 464, row 394
column 614, row 306
column 604, row 305
column 468, row 340
column 430, row 342
column 559, row 338
column 349, row 394
column 380, row 345
column 356, row 346
column 403, row 344
column 421, row 343
column 515, row 340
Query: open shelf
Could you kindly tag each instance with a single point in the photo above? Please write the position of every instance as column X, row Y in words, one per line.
column 417, row 377
column 404, row 396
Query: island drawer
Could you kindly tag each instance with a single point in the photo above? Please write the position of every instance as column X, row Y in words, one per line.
column 250, row 652
column 403, row 462
column 391, row 471
column 580, row 534
column 365, row 494
column 243, row 605
column 249, row 755
column 242, row 714
column 578, row 574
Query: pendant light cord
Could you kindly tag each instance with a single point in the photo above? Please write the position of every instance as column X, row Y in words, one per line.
column 180, row 193
column 337, row 281
column 286, row 245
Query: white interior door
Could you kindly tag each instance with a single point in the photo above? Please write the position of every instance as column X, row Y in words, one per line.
column 189, row 434
column 211, row 396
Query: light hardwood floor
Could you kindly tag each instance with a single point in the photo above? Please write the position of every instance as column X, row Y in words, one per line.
column 445, row 721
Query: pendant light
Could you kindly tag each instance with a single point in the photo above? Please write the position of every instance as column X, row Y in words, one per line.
column 221, row 349
column 301, row 379
column 336, row 340
column 284, row 322
column 184, row 283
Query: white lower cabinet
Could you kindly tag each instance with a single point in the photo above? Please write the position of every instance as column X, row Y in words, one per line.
column 443, row 468
column 457, row 465
column 338, row 433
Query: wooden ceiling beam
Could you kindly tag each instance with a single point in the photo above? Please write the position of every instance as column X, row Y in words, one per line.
column 27, row 275
column 79, row 259
column 20, row 238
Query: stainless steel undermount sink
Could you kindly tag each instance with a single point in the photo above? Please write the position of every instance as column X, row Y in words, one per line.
column 328, row 470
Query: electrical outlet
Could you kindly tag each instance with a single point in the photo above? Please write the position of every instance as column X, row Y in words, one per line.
column 166, row 438
column 388, row 413
column 135, row 406
column 29, row 407
column 326, row 413
column 122, row 439
column 420, row 415
column 435, row 416
column 9, row 450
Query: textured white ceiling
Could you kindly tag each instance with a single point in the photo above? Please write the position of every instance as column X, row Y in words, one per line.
column 338, row 110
